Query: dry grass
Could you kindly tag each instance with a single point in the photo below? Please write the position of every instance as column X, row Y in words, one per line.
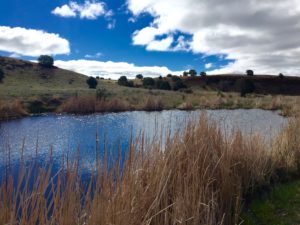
column 11, row 110
column 153, row 104
column 200, row 177
column 89, row 104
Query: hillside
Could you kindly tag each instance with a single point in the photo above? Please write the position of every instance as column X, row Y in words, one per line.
column 30, row 88
column 263, row 84
column 26, row 79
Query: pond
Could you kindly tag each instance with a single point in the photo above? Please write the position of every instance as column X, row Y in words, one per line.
column 63, row 135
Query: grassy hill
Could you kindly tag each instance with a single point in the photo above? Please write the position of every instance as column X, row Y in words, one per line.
column 40, row 89
column 27, row 79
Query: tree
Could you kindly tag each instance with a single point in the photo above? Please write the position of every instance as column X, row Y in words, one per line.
column 139, row 76
column 178, row 85
column 92, row 82
column 169, row 75
column 163, row 85
column 123, row 81
column 203, row 74
column 281, row 76
column 246, row 86
column 46, row 61
column 2, row 75
column 185, row 74
column 148, row 82
column 250, row 73
column 193, row 73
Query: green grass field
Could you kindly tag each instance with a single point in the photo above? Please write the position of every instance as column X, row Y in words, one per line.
column 280, row 207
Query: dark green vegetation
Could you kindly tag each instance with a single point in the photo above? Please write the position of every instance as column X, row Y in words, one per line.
column 1, row 75
column 280, row 207
column 92, row 82
column 46, row 61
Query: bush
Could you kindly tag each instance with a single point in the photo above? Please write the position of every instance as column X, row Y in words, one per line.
column 246, row 86
column 178, row 85
column 281, row 76
column 92, row 82
column 193, row 73
column 250, row 73
column 185, row 74
column 163, row 85
column 102, row 94
column 46, row 61
column 139, row 76
column 123, row 81
column 203, row 74
column 148, row 82
column 1, row 75
column 175, row 78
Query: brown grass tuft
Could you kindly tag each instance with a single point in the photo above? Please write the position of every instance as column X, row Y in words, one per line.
column 11, row 110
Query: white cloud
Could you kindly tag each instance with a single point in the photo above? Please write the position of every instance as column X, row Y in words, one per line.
column 29, row 42
column 89, row 10
column 112, row 70
column 208, row 65
column 64, row 11
column 261, row 35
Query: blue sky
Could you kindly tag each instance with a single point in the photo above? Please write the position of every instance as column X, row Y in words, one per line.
column 146, row 33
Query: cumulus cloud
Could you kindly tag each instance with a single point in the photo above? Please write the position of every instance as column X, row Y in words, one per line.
column 89, row 10
column 208, row 65
column 29, row 42
column 259, row 35
column 111, row 69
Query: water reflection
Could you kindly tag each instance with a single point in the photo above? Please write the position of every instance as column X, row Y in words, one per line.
column 64, row 134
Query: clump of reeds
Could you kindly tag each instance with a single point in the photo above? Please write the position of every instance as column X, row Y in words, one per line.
column 153, row 104
column 90, row 104
column 199, row 177
column 11, row 110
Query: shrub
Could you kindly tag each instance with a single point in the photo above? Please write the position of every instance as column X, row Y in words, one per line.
column 102, row 94
column 1, row 75
column 123, row 81
column 203, row 74
column 179, row 85
column 169, row 75
column 160, row 78
column 92, row 82
column 175, row 78
column 281, row 76
column 46, row 61
column 163, row 85
column 139, row 76
column 193, row 73
column 148, row 82
column 246, row 86
column 185, row 74
column 250, row 73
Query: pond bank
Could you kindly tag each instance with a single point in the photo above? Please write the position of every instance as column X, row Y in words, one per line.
column 14, row 109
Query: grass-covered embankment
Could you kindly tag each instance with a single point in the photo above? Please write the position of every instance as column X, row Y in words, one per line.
column 200, row 177
column 40, row 90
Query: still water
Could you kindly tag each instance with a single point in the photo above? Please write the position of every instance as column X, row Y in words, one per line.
column 62, row 135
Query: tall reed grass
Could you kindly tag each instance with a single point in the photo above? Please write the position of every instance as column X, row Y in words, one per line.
column 199, row 177
column 11, row 110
